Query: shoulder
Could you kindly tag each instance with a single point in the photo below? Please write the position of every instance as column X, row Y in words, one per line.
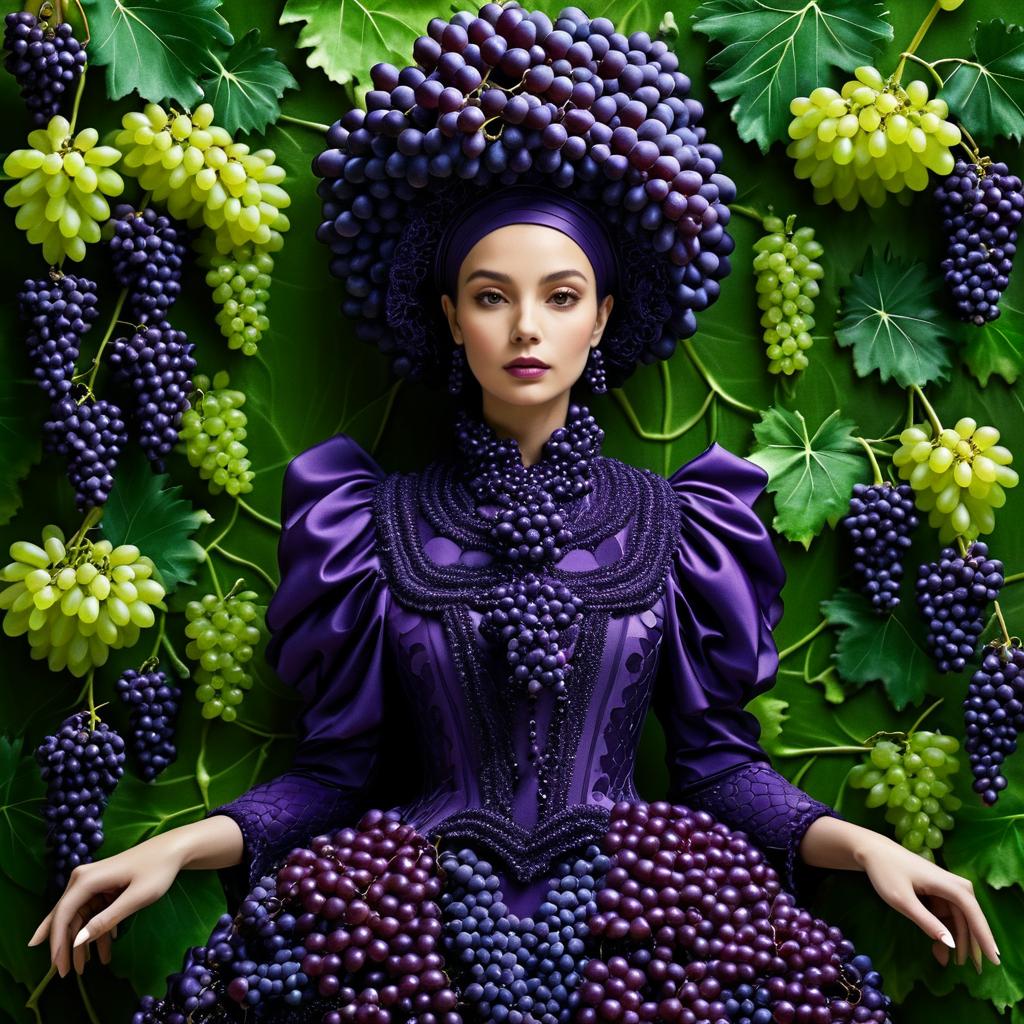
column 718, row 472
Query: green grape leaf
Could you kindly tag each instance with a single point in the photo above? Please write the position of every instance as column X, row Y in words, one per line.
column 872, row 648
column 140, row 511
column 774, row 52
column 812, row 476
column 153, row 940
column 771, row 713
column 22, row 834
column 987, row 93
column 892, row 323
column 244, row 84
column 22, row 912
column 998, row 347
column 21, row 447
column 347, row 40
column 154, row 47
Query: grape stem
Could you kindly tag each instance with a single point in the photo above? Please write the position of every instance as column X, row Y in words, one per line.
column 932, row 416
column 232, row 557
column 667, row 435
column 924, row 715
column 805, row 640
column 160, row 634
column 179, row 666
column 879, row 479
column 747, row 211
column 92, row 699
column 713, row 384
column 213, row 574
column 227, row 529
column 33, row 1000
column 202, row 775
column 106, row 337
column 258, row 516
column 927, row 64
column 90, row 1012
column 78, row 98
column 85, row 21
column 918, row 37
column 302, row 123
column 92, row 517
column 260, row 732
column 1002, row 622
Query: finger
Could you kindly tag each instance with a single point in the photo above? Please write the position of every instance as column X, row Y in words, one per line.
column 41, row 932
column 62, row 960
column 942, row 911
column 912, row 907
column 75, row 896
column 978, row 925
column 962, row 933
column 105, row 920
column 78, row 956
column 103, row 947
column 81, row 953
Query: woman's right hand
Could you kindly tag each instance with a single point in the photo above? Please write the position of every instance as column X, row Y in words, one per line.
column 100, row 894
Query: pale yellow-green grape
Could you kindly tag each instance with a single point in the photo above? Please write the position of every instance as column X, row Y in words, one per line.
column 75, row 603
column 873, row 138
column 213, row 430
column 958, row 477
column 61, row 188
column 912, row 781
column 240, row 281
column 950, row 5
column 203, row 176
column 787, row 285
column 222, row 637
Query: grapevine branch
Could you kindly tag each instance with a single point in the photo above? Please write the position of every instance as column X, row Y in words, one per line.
column 879, row 479
column 302, row 123
column 713, row 384
column 668, row 435
column 918, row 38
column 258, row 516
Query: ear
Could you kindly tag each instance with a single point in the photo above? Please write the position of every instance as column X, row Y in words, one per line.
column 453, row 324
column 604, row 310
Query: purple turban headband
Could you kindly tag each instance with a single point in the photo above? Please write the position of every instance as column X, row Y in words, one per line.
column 519, row 204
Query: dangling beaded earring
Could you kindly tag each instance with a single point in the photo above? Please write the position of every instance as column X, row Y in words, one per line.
column 594, row 372
column 456, row 375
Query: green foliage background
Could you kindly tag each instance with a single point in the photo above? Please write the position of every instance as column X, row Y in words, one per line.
column 843, row 677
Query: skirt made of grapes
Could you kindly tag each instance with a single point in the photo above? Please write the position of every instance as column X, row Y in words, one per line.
column 671, row 917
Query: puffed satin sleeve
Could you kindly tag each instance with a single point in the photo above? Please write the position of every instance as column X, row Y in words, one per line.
column 327, row 640
column 718, row 653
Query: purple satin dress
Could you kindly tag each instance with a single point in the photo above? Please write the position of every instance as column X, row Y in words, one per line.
column 378, row 571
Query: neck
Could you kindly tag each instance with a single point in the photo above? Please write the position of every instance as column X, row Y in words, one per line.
column 529, row 425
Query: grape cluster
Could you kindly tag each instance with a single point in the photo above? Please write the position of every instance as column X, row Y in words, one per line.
column 91, row 434
column 154, row 703
column 880, row 523
column 61, row 188
column 203, row 176
column 76, row 601
column 953, row 595
column 222, row 636
column 154, row 366
column 959, row 476
column 81, row 765
column 505, row 965
column 507, row 96
column 240, row 282
column 911, row 780
column 212, row 434
column 57, row 310
column 982, row 205
column 871, row 138
column 148, row 250
column 46, row 60
column 787, row 285
column 994, row 716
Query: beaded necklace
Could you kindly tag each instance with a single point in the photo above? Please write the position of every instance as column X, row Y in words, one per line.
column 536, row 618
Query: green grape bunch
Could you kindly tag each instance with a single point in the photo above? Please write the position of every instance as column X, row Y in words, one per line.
column 212, row 432
column 62, row 188
column 912, row 780
column 787, row 285
column 958, row 476
column 203, row 176
column 77, row 601
column 222, row 636
column 872, row 138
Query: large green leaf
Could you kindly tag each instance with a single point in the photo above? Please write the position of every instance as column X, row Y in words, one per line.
column 987, row 93
column 774, row 52
column 892, row 323
column 811, row 475
column 21, row 421
column 245, row 84
column 154, row 47
column 140, row 511
column 872, row 648
column 998, row 347
column 22, row 832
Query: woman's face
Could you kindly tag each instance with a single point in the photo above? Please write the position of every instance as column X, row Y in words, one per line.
column 527, row 292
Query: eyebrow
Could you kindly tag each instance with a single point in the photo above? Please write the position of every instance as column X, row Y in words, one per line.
column 556, row 276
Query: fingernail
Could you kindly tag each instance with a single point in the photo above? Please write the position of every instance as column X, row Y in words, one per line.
column 83, row 936
column 948, row 940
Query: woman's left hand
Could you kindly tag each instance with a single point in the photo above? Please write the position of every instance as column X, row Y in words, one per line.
column 901, row 877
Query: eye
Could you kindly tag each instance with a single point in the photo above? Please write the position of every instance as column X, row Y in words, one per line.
column 482, row 297
column 565, row 293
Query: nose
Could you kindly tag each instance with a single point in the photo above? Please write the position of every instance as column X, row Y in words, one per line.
column 525, row 323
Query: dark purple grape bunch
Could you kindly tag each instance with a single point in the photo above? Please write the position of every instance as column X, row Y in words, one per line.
column 148, row 250
column 503, row 964
column 982, row 205
column 880, row 523
column 529, row 526
column 154, row 702
column 691, row 915
column 507, row 96
column 56, row 310
column 45, row 59
column 953, row 595
column 81, row 767
column 994, row 716
column 154, row 366
column 91, row 434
